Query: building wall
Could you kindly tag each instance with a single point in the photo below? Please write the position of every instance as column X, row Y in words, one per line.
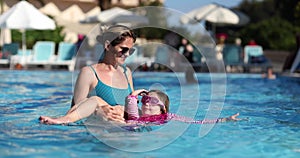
column 126, row 2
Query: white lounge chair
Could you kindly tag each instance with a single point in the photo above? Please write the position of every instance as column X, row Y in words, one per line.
column 254, row 57
column 42, row 54
column 66, row 55
column 252, row 51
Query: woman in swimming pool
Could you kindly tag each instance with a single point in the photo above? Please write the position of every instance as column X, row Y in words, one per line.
column 155, row 110
column 109, row 78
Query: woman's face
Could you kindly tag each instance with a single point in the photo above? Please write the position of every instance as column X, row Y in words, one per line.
column 151, row 109
column 122, row 50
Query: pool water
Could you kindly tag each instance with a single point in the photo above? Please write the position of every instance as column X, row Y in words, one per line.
column 272, row 107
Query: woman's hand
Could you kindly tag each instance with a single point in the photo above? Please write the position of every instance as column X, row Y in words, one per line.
column 113, row 113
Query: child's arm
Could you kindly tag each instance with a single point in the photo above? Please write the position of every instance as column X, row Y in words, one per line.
column 190, row 120
column 230, row 118
column 131, row 107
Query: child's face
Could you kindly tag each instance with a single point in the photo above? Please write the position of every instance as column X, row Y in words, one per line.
column 149, row 107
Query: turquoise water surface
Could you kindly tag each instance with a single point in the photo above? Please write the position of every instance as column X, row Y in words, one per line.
column 272, row 107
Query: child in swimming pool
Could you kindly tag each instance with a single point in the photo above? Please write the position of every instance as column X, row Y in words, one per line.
column 155, row 109
column 154, row 103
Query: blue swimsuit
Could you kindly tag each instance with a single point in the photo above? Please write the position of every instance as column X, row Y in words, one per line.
column 113, row 96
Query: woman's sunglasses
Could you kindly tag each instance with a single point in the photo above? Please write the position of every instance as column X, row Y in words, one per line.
column 126, row 49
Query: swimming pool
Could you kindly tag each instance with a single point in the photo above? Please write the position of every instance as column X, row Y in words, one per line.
column 272, row 106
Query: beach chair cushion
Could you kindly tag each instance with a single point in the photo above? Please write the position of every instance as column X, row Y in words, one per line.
column 9, row 49
column 232, row 54
column 66, row 51
column 252, row 52
column 43, row 50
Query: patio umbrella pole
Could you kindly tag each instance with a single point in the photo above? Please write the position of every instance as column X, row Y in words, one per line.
column 23, row 46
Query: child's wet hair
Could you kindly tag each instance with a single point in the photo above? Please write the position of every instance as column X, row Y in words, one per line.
column 162, row 97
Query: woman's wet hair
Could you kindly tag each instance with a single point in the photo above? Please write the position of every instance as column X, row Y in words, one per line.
column 116, row 34
column 162, row 97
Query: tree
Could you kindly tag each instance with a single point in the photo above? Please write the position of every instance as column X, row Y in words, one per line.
column 38, row 35
column 258, row 10
column 273, row 24
column 155, row 16
column 273, row 33
column 287, row 9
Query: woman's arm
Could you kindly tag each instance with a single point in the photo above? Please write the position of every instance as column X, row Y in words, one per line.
column 84, row 84
column 83, row 109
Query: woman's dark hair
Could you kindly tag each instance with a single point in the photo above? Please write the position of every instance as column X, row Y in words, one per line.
column 116, row 34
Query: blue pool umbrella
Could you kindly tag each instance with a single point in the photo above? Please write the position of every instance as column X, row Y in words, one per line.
column 24, row 16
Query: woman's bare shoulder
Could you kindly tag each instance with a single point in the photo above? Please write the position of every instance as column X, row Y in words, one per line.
column 87, row 70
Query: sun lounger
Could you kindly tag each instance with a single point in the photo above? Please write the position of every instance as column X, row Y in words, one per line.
column 8, row 50
column 65, row 56
column 254, row 57
column 20, row 58
column 198, row 58
column 42, row 54
column 232, row 56
column 4, row 61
